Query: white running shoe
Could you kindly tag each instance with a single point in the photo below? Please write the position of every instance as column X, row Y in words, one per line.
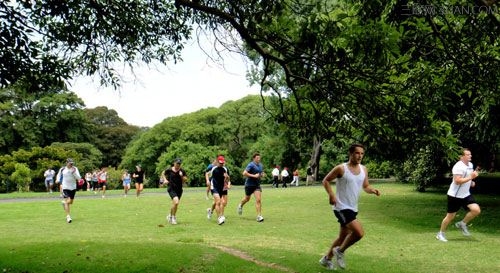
column 260, row 218
column 240, row 209
column 209, row 213
column 173, row 220
column 463, row 226
column 221, row 220
column 339, row 257
column 440, row 237
column 169, row 219
column 68, row 219
column 327, row 263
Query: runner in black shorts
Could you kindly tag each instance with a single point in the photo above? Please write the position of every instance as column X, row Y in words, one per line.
column 253, row 173
column 174, row 177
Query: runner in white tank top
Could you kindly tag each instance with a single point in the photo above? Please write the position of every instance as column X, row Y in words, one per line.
column 349, row 187
column 351, row 177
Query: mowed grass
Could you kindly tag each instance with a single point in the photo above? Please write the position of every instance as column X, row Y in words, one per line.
column 118, row 234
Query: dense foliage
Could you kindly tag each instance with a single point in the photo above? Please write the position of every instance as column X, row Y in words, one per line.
column 237, row 129
column 409, row 79
column 395, row 75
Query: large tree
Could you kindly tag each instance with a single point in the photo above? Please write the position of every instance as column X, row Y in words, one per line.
column 111, row 134
column 33, row 116
column 50, row 41
column 383, row 73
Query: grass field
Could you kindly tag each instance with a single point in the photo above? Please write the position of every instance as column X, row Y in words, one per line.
column 118, row 234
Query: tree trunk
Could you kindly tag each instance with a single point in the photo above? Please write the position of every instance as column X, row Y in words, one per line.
column 315, row 156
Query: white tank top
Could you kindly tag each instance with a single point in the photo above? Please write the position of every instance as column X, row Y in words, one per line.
column 348, row 188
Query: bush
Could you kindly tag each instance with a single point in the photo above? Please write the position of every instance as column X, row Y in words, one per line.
column 422, row 168
column 382, row 170
column 22, row 177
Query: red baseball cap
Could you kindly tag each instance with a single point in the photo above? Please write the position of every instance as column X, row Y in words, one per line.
column 221, row 159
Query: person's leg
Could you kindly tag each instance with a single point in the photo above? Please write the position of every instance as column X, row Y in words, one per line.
column 258, row 201
column 66, row 205
column 213, row 205
column 173, row 209
column 343, row 232
column 224, row 203
column 355, row 233
column 474, row 211
column 218, row 204
column 175, row 205
column 243, row 201
column 103, row 189
column 446, row 221
column 208, row 191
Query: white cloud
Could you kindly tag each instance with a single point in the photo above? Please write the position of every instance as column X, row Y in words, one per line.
column 161, row 92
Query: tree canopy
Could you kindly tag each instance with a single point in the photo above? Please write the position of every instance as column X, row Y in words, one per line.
column 404, row 77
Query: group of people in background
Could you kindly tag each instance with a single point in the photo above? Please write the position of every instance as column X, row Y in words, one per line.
column 284, row 177
column 68, row 180
column 350, row 178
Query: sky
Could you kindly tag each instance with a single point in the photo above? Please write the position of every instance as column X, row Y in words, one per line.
column 165, row 91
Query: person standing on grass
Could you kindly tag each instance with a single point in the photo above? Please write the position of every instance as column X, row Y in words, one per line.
column 285, row 176
column 219, row 186
column 310, row 176
column 67, row 176
column 276, row 176
column 88, row 180
column 102, row 177
column 49, row 179
column 351, row 178
column 139, row 176
column 174, row 177
column 253, row 173
column 95, row 180
column 459, row 195
column 126, row 179
column 295, row 178
column 208, row 178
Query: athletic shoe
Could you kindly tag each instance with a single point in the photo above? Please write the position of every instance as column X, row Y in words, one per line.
column 463, row 226
column 339, row 257
column 440, row 237
column 260, row 218
column 221, row 220
column 68, row 219
column 169, row 219
column 327, row 263
column 240, row 209
column 209, row 213
column 173, row 220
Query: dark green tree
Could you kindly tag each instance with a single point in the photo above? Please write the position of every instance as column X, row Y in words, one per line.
column 111, row 134
column 381, row 73
column 33, row 116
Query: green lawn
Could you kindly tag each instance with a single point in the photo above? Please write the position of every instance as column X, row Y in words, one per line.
column 119, row 234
